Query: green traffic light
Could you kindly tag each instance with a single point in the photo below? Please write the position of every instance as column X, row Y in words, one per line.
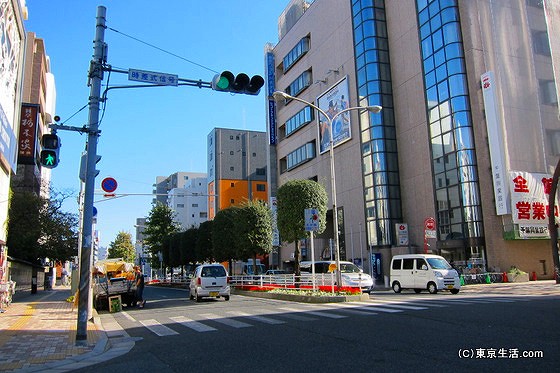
column 49, row 158
column 223, row 83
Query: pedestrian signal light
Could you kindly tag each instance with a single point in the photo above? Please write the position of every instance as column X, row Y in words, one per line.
column 242, row 83
column 49, row 153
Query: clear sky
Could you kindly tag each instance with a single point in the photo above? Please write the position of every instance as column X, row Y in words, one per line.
column 149, row 132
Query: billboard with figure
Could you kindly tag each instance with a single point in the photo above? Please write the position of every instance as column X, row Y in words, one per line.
column 332, row 102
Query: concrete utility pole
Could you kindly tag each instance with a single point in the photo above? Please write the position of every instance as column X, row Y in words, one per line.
column 552, row 229
column 95, row 79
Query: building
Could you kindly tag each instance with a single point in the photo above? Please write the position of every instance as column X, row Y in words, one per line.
column 12, row 48
column 190, row 203
column 460, row 159
column 37, row 112
column 237, row 165
column 164, row 184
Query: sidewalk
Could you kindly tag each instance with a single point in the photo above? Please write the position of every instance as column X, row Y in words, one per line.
column 38, row 333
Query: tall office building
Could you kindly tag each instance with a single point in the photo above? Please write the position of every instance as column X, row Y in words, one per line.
column 12, row 45
column 164, row 184
column 460, row 159
column 236, row 168
column 37, row 112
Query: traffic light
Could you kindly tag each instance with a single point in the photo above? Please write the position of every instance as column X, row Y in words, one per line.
column 49, row 154
column 227, row 82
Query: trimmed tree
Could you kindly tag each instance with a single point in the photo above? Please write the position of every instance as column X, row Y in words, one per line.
column 160, row 224
column 254, row 229
column 293, row 198
column 122, row 247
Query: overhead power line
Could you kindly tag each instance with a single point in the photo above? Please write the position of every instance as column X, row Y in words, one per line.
column 163, row 50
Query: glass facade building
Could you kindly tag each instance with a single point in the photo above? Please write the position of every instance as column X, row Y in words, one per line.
column 377, row 132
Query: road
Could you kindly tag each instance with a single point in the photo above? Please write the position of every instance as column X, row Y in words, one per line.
column 479, row 330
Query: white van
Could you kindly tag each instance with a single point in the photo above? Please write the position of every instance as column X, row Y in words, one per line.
column 423, row 271
column 350, row 273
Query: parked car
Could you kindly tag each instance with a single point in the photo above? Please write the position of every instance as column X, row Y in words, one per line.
column 350, row 274
column 209, row 280
column 275, row 272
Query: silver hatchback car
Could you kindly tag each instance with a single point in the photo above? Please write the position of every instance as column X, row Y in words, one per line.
column 210, row 280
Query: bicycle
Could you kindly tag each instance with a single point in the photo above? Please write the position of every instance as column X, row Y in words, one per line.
column 7, row 289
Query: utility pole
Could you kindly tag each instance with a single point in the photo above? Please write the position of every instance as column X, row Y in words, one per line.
column 552, row 228
column 95, row 79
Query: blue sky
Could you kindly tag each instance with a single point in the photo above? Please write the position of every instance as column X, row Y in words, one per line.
column 149, row 132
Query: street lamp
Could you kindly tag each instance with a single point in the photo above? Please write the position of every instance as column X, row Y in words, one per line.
column 373, row 109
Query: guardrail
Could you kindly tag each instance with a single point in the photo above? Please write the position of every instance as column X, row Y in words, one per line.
column 285, row 281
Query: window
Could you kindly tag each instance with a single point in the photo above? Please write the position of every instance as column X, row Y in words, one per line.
column 548, row 92
column 300, row 155
column 261, row 188
column 180, row 205
column 231, row 152
column 540, row 43
column 397, row 264
column 300, row 119
column 261, row 171
column 421, row 265
column 195, row 205
column 301, row 48
column 203, row 215
column 408, row 264
column 232, row 185
column 303, row 81
column 232, row 168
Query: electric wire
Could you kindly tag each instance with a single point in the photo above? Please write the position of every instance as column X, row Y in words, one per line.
column 163, row 50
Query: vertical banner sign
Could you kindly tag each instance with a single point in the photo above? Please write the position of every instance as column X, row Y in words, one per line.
column 529, row 203
column 331, row 102
column 270, row 88
column 27, row 134
column 402, row 233
column 274, row 211
column 495, row 143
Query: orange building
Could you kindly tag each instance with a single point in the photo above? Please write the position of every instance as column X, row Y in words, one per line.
column 237, row 168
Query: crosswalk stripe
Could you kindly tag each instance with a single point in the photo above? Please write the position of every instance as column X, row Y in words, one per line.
column 315, row 313
column 229, row 322
column 157, row 328
column 195, row 325
column 298, row 317
column 266, row 320
column 401, row 306
column 125, row 314
column 368, row 306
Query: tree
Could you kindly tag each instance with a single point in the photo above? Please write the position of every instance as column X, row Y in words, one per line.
column 38, row 228
column 204, row 250
column 293, row 198
column 224, row 242
column 253, row 228
column 159, row 225
column 188, row 245
column 122, row 247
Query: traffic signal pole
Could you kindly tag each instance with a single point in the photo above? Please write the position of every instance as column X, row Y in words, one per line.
column 95, row 79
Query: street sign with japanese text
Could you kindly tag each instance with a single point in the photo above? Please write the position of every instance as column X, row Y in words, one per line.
column 153, row 77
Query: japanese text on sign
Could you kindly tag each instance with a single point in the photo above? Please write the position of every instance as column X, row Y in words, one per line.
column 530, row 197
column 153, row 77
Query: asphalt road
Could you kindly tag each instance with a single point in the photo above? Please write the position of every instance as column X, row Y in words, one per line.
column 390, row 332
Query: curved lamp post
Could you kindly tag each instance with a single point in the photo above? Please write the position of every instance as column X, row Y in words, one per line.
column 373, row 109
